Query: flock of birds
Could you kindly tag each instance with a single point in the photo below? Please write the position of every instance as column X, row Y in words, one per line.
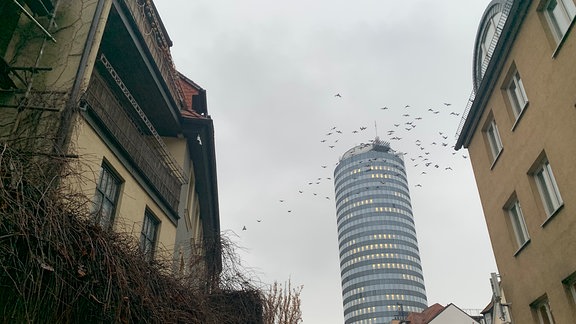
column 425, row 151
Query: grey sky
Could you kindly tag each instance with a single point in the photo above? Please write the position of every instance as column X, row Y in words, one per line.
column 271, row 69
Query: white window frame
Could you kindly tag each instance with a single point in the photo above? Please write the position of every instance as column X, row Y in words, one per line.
column 542, row 309
column 559, row 15
column 518, row 223
column 517, row 94
column 494, row 140
column 548, row 188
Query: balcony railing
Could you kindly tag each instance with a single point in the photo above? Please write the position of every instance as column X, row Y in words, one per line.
column 102, row 103
column 149, row 24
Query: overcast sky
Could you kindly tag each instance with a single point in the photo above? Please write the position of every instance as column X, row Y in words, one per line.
column 271, row 70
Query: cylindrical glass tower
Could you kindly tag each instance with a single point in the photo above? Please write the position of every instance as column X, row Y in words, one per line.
column 379, row 258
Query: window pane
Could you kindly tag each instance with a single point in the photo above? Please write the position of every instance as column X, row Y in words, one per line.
column 560, row 15
column 517, row 94
column 544, row 313
column 570, row 8
column 105, row 197
column 494, row 139
column 148, row 235
column 548, row 188
column 518, row 224
column 544, row 192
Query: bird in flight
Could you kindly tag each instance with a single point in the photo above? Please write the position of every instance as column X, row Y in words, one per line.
column 338, row 95
column 244, row 228
column 259, row 220
column 447, row 104
column 384, row 108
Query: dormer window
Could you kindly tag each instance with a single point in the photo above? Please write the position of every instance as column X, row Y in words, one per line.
column 487, row 38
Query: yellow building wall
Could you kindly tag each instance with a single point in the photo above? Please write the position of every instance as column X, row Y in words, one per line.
column 547, row 125
column 133, row 199
column 190, row 226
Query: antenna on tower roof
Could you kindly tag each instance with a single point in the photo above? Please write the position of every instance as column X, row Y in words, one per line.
column 376, row 128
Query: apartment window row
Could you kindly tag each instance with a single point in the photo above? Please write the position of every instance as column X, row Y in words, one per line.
column 518, row 100
column 550, row 197
column 541, row 306
column 105, row 205
column 560, row 15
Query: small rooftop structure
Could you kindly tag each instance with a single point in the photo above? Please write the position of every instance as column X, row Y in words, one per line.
column 376, row 145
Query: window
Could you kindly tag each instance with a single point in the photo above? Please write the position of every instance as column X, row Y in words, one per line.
column 490, row 29
column 570, row 284
column 517, row 94
column 149, row 234
column 493, row 137
column 518, row 224
column 548, row 188
column 106, row 198
column 542, row 309
column 559, row 14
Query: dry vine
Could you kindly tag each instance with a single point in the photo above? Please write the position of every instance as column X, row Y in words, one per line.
column 57, row 266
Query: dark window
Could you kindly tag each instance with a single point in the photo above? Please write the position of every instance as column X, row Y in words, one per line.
column 149, row 234
column 106, row 198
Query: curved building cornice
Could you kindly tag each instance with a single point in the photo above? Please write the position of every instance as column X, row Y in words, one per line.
column 493, row 16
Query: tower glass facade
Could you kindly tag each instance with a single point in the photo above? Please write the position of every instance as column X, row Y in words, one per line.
column 379, row 257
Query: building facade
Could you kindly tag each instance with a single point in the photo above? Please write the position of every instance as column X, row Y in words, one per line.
column 95, row 80
column 519, row 131
column 379, row 256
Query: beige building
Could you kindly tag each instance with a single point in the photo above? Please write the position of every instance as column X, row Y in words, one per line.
column 95, row 79
column 520, row 131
